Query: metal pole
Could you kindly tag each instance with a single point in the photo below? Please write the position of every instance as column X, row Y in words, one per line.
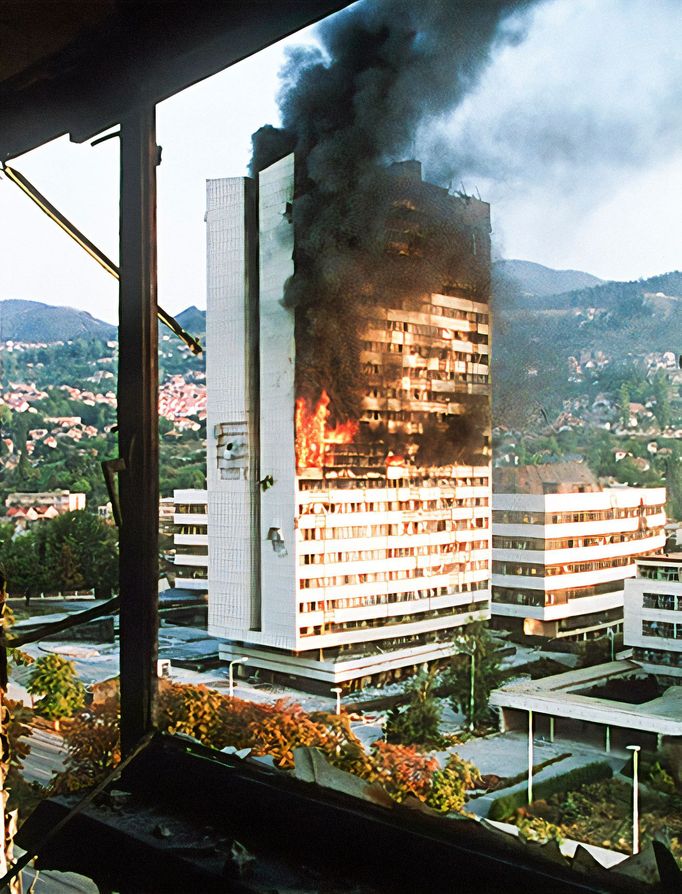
column 607, row 739
column 337, row 690
column 635, row 798
column 551, row 729
column 138, row 425
column 530, row 756
column 230, row 673
column 472, row 705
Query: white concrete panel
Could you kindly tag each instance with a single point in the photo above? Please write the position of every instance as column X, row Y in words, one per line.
column 277, row 400
column 233, row 584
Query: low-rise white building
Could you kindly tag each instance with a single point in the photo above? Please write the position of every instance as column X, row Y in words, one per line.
column 191, row 539
column 653, row 615
column 563, row 548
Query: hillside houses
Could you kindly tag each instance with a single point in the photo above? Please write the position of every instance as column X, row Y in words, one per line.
column 180, row 399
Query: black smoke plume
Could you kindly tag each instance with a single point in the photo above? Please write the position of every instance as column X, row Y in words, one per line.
column 348, row 110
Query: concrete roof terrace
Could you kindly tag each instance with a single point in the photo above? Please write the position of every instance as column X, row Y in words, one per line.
column 559, row 696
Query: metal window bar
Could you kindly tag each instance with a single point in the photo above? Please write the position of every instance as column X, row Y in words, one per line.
column 90, row 614
column 97, row 254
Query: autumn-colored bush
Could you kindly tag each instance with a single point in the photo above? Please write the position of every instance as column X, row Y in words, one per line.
column 344, row 750
column 449, row 786
column 92, row 740
column 93, row 747
column 208, row 716
column 403, row 771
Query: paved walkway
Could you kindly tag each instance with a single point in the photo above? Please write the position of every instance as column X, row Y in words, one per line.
column 506, row 754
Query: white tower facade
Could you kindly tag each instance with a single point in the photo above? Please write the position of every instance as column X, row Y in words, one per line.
column 357, row 565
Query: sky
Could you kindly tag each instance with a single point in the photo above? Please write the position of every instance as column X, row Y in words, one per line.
column 573, row 133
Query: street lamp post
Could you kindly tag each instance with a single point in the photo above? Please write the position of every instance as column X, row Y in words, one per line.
column 610, row 632
column 469, row 648
column 472, row 704
column 635, row 798
column 530, row 756
column 337, row 690
column 230, row 672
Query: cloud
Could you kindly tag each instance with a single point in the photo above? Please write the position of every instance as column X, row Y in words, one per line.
column 590, row 95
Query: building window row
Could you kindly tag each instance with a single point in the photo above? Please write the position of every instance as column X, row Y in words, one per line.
column 193, row 572
column 664, row 629
column 512, row 516
column 376, row 577
column 448, row 355
column 192, row 550
column 417, row 376
column 594, row 619
column 427, row 503
column 363, row 555
column 659, row 572
column 521, row 596
column 456, row 314
column 538, row 543
column 191, row 508
column 371, row 599
column 396, row 621
column 353, row 532
column 658, row 656
column 531, row 569
column 432, row 637
column 319, row 485
column 665, row 601
column 192, row 530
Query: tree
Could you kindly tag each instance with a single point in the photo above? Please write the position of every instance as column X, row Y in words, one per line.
column 662, row 407
column 673, row 482
column 61, row 692
column 418, row 722
column 80, row 550
column 24, row 570
column 488, row 673
column 624, row 404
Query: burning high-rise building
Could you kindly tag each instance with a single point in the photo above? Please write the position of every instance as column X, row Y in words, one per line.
column 348, row 437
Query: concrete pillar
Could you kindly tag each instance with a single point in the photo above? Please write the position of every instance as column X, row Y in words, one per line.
column 551, row 729
column 607, row 739
column 659, row 741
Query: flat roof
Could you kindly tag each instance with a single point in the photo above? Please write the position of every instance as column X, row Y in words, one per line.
column 559, row 696
column 661, row 559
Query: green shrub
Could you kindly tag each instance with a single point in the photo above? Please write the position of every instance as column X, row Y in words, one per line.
column 660, row 780
column 61, row 692
column 504, row 806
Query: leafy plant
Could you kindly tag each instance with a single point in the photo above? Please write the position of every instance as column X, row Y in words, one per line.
column 93, row 747
column 61, row 692
column 488, row 673
column 404, row 771
column 534, row 828
column 418, row 722
column 450, row 785
column 660, row 779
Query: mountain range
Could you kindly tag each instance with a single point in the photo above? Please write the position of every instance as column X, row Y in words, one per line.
column 33, row 321
column 541, row 318
column 536, row 280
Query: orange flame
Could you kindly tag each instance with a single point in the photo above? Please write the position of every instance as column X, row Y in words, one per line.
column 313, row 434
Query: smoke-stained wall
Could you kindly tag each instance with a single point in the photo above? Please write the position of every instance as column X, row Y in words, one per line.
column 348, row 110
